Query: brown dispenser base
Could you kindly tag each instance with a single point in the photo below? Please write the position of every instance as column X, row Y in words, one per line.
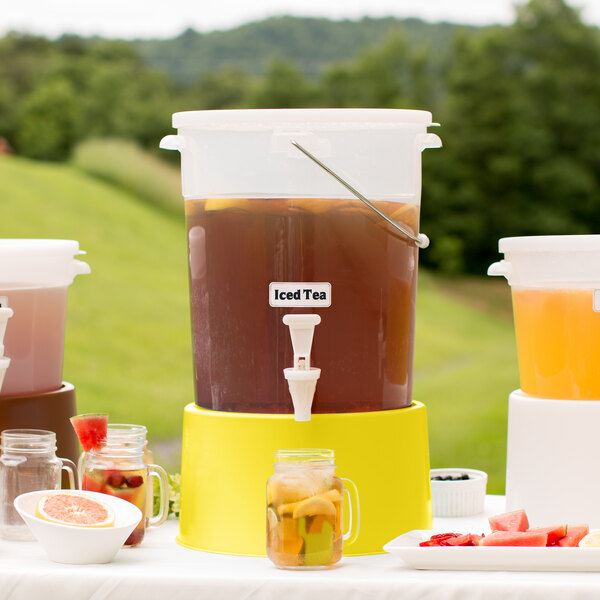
column 50, row 410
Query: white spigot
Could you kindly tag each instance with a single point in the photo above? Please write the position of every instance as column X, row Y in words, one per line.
column 5, row 314
column 302, row 378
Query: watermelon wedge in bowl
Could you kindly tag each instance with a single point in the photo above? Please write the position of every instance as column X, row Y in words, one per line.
column 91, row 430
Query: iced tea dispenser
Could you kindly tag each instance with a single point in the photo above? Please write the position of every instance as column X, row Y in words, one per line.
column 303, row 238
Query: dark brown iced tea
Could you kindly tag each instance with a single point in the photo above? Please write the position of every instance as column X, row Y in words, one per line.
column 364, row 344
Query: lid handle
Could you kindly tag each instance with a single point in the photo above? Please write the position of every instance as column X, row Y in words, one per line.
column 420, row 240
column 502, row 267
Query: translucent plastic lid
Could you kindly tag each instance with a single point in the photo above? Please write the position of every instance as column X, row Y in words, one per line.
column 550, row 243
column 550, row 261
column 42, row 262
column 312, row 118
column 254, row 153
column 304, row 455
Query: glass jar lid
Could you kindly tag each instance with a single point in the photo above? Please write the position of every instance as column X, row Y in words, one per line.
column 28, row 440
column 315, row 456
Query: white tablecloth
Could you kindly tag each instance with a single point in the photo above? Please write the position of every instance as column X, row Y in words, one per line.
column 162, row 569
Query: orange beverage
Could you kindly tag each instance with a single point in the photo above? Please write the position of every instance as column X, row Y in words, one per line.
column 558, row 346
column 304, row 514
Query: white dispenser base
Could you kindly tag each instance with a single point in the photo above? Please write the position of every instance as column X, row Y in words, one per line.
column 553, row 460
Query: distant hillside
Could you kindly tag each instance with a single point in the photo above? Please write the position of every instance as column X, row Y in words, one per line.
column 311, row 43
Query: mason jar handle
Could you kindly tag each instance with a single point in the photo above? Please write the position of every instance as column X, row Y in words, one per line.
column 351, row 535
column 80, row 462
column 71, row 469
column 163, row 512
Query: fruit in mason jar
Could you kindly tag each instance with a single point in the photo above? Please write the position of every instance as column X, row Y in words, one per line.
column 304, row 519
column 115, row 479
column 134, row 481
column 318, row 546
column 90, row 430
column 70, row 508
column 314, row 506
column 294, row 487
column 331, row 495
column 106, row 480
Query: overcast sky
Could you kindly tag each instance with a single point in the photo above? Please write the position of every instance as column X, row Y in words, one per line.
column 167, row 18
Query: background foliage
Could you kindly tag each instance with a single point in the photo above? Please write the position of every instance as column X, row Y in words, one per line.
column 520, row 112
column 519, row 105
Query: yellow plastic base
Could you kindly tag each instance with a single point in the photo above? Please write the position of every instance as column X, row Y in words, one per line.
column 228, row 457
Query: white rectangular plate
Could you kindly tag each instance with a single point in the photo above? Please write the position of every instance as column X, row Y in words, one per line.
column 489, row 558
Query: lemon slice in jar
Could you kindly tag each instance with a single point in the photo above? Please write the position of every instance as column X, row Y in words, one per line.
column 313, row 506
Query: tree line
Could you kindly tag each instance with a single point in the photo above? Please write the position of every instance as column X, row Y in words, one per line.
column 519, row 107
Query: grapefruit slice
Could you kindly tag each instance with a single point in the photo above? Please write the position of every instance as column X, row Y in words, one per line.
column 91, row 430
column 75, row 509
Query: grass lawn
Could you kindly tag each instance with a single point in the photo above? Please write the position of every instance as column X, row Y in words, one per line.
column 128, row 342
column 127, row 346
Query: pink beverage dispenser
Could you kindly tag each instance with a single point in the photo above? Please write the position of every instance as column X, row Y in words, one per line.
column 303, row 237
column 35, row 275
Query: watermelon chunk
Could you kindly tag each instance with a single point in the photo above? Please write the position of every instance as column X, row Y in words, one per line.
column 554, row 533
column 575, row 533
column 91, row 430
column 511, row 521
column 514, row 538
column 469, row 539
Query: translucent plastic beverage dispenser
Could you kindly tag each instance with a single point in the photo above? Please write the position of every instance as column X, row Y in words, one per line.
column 303, row 237
column 35, row 276
column 553, row 417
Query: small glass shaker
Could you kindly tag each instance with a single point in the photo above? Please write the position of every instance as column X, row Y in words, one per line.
column 28, row 463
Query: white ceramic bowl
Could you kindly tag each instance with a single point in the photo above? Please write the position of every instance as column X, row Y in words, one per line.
column 79, row 545
column 460, row 498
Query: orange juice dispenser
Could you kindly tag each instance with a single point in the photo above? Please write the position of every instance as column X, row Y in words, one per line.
column 553, row 442
column 303, row 242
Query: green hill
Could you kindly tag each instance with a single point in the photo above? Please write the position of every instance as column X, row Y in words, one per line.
column 127, row 340
column 311, row 43
column 128, row 343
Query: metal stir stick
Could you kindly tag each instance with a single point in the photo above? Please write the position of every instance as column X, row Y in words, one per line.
column 420, row 240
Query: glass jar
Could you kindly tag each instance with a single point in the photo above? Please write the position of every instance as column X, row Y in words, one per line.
column 28, row 463
column 304, row 510
column 119, row 468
